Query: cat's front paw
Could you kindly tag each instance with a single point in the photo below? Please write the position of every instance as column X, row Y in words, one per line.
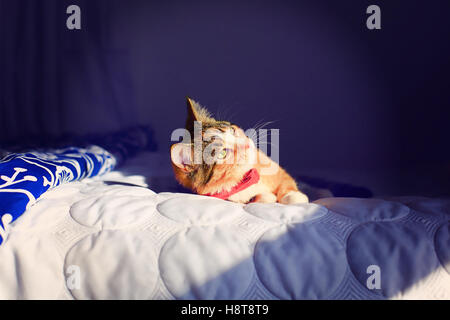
column 265, row 198
column 293, row 197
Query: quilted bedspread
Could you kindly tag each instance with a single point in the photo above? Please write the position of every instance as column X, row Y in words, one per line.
column 97, row 239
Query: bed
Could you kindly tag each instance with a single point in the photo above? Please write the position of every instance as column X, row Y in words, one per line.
column 115, row 235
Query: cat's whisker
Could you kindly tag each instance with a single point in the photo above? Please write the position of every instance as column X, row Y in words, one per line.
column 262, row 143
column 257, row 124
column 231, row 118
column 255, row 133
column 261, row 125
column 266, row 124
column 267, row 144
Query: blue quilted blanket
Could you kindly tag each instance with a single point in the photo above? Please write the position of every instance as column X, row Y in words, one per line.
column 25, row 176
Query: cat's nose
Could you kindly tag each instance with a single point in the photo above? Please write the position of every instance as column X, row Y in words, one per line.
column 250, row 143
column 247, row 144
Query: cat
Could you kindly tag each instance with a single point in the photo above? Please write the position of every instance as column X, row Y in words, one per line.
column 228, row 172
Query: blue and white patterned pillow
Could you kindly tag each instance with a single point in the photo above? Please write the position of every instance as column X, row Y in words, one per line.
column 24, row 177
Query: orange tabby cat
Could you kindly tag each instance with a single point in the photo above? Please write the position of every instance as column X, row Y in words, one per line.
column 227, row 165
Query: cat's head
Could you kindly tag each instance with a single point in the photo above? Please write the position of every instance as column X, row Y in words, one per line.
column 215, row 154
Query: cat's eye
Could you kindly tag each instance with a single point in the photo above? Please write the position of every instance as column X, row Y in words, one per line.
column 222, row 154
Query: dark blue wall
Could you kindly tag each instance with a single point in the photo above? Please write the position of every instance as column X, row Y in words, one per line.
column 343, row 97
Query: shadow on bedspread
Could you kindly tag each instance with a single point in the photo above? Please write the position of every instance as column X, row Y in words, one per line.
column 377, row 250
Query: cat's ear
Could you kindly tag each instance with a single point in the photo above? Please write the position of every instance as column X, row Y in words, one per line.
column 195, row 112
column 181, row 155
column 192, row 113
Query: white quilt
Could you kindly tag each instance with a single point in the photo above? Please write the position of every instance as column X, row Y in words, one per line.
column 97, row 240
